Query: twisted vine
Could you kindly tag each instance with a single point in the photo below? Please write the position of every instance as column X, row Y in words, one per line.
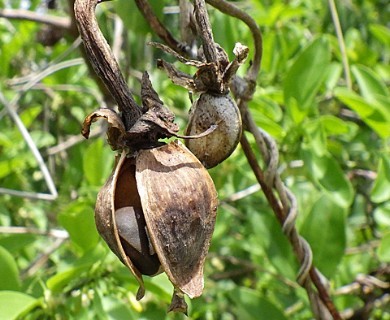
column 282, row 201
column 280, row 198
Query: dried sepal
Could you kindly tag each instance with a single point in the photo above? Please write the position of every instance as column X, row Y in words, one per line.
column 241, row 53
column 109, row 115
column 212, row 77
column 116, row 130
column 156, row 122
column 179, row 201
column 178, row 304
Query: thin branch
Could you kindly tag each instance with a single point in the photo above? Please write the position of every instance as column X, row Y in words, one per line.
column 52, row 68
column 73, row 140
column 41, row 259
column 55, row 233
column 231, row 10
column 37, row 155
column 156, row 25
column 187, row 26
column 249, row 267
column 103, row 61
column 118, row 37
column 367, row 247
column 365, row 284
column 340, row 39
column 20, row 14
column 18, row 81
column 364, row 312
column 28, row 195
column 242, row 193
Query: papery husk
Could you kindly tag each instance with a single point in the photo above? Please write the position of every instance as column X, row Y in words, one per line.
column 105, row 207
column 179, row 202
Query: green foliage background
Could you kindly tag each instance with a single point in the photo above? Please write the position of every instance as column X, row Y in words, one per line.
column 334, row 155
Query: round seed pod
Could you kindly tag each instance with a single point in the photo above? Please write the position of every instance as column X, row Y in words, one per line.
column 159, row 208
column 211, row 109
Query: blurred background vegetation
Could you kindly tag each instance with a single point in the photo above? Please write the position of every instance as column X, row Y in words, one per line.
column 332, row 133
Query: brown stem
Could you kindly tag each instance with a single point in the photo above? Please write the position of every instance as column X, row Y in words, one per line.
column 231, row 10
column 278, row 210
column 202, row 19
column 20, row 14
column 103, row 60
column 267, row 181
column 156, row 25
column 107, row 97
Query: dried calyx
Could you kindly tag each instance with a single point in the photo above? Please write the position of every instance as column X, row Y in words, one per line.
column 157, row 209
column 214, row 105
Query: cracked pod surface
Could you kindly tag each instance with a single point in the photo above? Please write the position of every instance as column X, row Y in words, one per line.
column 179, row 201
column 159, row 207
column 211, row 109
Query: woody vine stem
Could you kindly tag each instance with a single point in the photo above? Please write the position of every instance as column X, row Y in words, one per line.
column 280, row 198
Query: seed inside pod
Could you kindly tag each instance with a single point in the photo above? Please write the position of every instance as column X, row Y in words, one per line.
column 208, row 110
column 130, row 222
column 131, row 226
column 159, row 207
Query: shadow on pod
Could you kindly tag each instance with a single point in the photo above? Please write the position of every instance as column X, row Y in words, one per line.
column 157, row 213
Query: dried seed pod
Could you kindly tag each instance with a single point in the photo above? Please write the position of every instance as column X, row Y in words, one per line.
column 208, row 110
column 179, row 201
column 160, row 207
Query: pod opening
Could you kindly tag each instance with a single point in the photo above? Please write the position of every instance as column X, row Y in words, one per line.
column 131, row 224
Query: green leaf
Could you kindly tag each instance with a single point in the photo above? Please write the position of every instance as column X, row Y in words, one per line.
column 333, row 75
column 328, row 175
column 61, row 279
column 42, row 138
column 370, row 84
column 268, row 234
column 325, row 229
column 375, row 114
column 315, row 135
column 381, row 190
column 384, row 248
column 160, row 286
column 15, row 304
column 29, row 115
column 381, row 32
column 334, row 125
column 97, row 163
column 305, row 77
column 382, row 216
column 249, row 304
column 117, row 309
column 9, row 274
column 129, row 13
column 78, row 220
column 15, row 242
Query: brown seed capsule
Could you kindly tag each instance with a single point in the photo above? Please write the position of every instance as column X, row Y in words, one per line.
column 208, row 110
column 160, row 207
